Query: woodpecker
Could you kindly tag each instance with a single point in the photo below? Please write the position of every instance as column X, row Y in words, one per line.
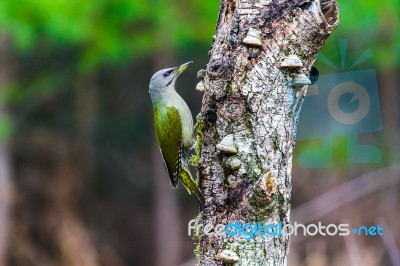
column 173, row 123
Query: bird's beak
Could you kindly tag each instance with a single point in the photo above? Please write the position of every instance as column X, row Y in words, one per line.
column 182, row 68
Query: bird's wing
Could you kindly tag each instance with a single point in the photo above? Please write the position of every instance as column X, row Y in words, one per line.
column 169, row 136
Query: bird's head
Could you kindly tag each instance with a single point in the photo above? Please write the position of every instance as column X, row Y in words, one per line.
column 165, row 78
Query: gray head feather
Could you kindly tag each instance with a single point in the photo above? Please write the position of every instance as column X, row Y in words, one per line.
column 164, row 80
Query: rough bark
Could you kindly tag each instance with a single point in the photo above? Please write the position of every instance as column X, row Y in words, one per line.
column 249, row 95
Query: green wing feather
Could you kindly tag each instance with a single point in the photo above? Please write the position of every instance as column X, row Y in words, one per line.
column 190, row 185
column 168, row 128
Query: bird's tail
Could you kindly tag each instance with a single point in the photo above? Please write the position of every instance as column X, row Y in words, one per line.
column 190, row 185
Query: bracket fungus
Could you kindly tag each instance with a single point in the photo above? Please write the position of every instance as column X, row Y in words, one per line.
column 291, row 61
column 229, row 256
column 227, row 145
column 253, row 37
column 233, row 163
column 301, row 80
column 200, row 86
column 201, row 74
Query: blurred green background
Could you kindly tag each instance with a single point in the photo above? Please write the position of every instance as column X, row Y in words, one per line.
column 81, row 181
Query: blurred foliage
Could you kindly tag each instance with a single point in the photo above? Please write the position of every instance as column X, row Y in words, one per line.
column 55, row 44
column 106, row 31
column 6, row 127
column 368, row 24
column 117, row 31
column 61, row 40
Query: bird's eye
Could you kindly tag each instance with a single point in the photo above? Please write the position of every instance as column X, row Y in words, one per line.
column 166, row 74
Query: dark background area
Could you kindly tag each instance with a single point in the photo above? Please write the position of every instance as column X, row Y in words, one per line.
column 81, row 178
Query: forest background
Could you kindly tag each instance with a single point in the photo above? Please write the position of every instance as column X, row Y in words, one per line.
column 81, row 179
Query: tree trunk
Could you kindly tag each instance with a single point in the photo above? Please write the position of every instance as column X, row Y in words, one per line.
column 248, row 120
column 86, row 106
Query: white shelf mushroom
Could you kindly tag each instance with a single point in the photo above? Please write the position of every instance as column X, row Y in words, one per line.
column 227, row 145
column 291, row 61
column 228, row 256
column 301, row 80
column 200, row 86
column 253, row 37
column 233, row 163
